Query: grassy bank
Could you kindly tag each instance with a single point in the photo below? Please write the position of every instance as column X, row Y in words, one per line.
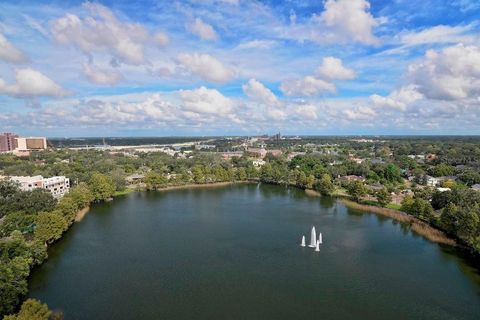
column 415, row 224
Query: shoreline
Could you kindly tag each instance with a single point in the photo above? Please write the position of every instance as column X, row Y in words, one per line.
column 419, row 227
column 422, row 228
column 81, row 214
column 204, row 185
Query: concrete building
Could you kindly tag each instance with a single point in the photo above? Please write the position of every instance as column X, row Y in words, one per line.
column 8, row 142
column 31, row 143
column 58, row 186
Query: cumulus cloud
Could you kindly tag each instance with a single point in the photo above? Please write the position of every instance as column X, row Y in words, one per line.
column 360, row 113
column 201, row 29
column 333, row 69
column 9, row 52
column 204, row 100
column 452, row 73
column 257, row 44
column 101, row 30
column 256, row 91
column 437, row 34
column 161, row 39
column 399, row 99
column 206, row 67
column 307, row 86
column 308, row 112
column 341, row 21
column 30, row 83
column 101, row 76
column 350, row 19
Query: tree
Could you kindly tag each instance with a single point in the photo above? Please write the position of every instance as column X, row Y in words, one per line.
column 468, row 227
column 309, row 181
column 418, row 207
column 101, row 186
column 49, row 226
column 27, row 201
column 81, row 195
column 154, row 180
column 241, row 174
column 356, row 189
column 17, row 221
column 392, row 173
column 31, row 310
column 449, row 218
column 383, row 197
column 13, row 283
column 325, row 185
column 198, row 174
column 442, row 169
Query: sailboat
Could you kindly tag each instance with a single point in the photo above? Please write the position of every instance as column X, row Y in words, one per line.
column 303, row 241
column 320, row 238
column 313, row 238
column 317, row 248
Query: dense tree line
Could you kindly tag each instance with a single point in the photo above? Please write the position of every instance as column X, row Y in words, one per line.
column 29, row 226
column 31, row 220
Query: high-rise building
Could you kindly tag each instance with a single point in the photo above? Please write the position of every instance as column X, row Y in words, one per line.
column 31, row 143
column 8, row 141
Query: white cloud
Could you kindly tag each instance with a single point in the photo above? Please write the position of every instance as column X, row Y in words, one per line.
column 206, row 67
column 256, row 91
column 350, row 19
column 161, row 39
column 9, row 52
column 102, row 31
column 308, row 86
column 204, row 100
column 437, row 34
column 257, row 44
column 333, row 69
column 399, row 99
column 31, row 83
column 360, row 113
column 276, row 114
column 308, row 112
column 452, row 73
column 101, row 76
column 202, row 30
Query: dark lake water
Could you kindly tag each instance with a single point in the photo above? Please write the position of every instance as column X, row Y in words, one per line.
column 233, row 253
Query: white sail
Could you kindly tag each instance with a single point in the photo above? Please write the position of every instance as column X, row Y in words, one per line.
column 313, row 238
column 303, row 241
column 320, row 238
column 317, row 248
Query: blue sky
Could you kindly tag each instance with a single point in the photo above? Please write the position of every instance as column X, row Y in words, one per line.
column 228, row 67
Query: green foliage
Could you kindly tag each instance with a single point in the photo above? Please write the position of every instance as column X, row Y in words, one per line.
column 383, row 197
column 392, row 173
column 101, row 186
column 441, row 170
column 154, row 180
column 325, row 185
column 15, row 200
column 31, row 310
column 50, row 226
column 81, row 195
column 356, row 189
column 17, row 221
column 15, row 262
column 418, row 207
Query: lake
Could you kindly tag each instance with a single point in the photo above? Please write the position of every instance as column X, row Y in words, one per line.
column 234, row 253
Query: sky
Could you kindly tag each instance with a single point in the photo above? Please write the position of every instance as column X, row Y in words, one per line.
column 237, row 67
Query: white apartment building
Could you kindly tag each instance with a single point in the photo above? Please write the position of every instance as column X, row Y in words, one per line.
column 58, row 186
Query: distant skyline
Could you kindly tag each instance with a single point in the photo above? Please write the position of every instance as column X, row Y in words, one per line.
column 238, row 67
